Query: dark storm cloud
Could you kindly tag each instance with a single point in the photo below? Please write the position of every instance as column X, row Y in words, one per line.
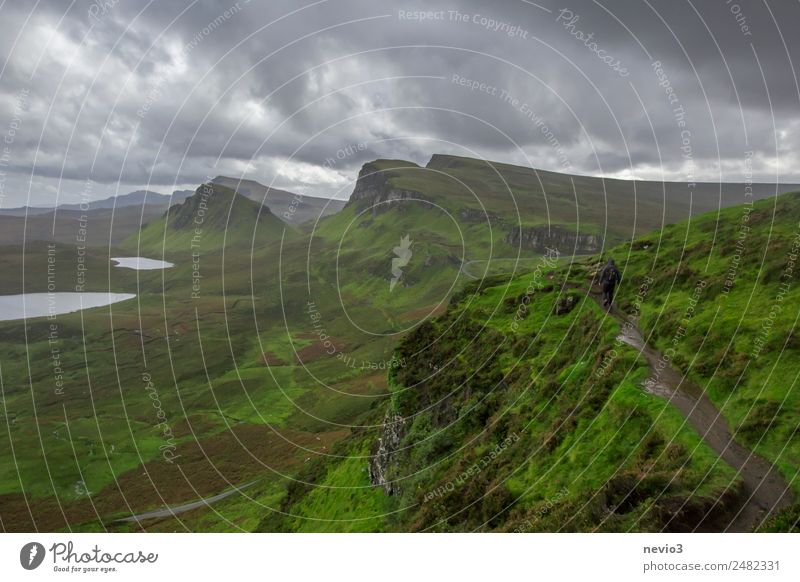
column 129, row 93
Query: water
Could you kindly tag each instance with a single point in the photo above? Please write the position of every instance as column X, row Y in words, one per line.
column 141, row 263
column 29, row 305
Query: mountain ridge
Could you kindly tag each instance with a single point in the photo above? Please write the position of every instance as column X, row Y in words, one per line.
column 135, row 198
column 290, row 207
column 213, row 218
column 602, row 211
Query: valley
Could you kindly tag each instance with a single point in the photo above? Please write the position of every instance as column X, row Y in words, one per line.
column 415, row 360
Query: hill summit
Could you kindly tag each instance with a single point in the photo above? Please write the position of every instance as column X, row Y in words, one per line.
column 215, row 206
column 213, row 217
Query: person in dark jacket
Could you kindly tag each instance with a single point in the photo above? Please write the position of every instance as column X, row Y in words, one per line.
column 609, row 277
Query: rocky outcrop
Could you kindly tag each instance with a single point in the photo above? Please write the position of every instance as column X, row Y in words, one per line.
column 374, row 191
column 384, row 452
column 478, row 215
column 540, row 238
column 565, row 304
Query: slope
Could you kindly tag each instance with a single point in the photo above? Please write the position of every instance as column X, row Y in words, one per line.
column 213, row 219
column 523, row 202
column 523, row 409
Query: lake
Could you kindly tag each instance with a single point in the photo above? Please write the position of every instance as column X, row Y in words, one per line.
column 29, row 305
column 141, row 263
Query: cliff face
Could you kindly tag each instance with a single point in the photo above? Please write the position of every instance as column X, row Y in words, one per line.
column 384, row 451
column 375, row 192
column 479, row 215
column 540, row 238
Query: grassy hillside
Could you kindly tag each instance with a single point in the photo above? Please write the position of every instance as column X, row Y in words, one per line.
column 519, row 409
column 274, row 355
column 741, row 341
column 614, row 209
column 215, row 217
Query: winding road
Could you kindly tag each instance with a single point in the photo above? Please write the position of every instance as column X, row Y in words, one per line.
column 176, row 509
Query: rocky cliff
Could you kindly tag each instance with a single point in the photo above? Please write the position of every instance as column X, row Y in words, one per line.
column 539, row 238
column 374, row 189
column 384, row 452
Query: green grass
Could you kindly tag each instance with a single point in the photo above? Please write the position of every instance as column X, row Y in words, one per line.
column 756, row 391
column 343, row 501
column 615, row 209
column 594, row 450
column 205, row 356
column 215, row 218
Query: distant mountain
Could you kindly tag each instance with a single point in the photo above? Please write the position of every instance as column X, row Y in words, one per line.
column 137, row 198
column 532, row 208
column 24, row 211
column 70, row 226
column 289, row 207
column 213, row 217
column 104, row 222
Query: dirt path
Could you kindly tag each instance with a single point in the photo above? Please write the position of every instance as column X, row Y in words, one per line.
column 765, row 490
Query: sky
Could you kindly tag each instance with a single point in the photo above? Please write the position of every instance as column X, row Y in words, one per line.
column 103, row 97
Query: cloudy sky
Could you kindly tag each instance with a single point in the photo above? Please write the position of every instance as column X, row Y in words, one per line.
column 109, row 96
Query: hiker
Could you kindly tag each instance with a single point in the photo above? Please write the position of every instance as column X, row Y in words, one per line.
column 609, row 277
